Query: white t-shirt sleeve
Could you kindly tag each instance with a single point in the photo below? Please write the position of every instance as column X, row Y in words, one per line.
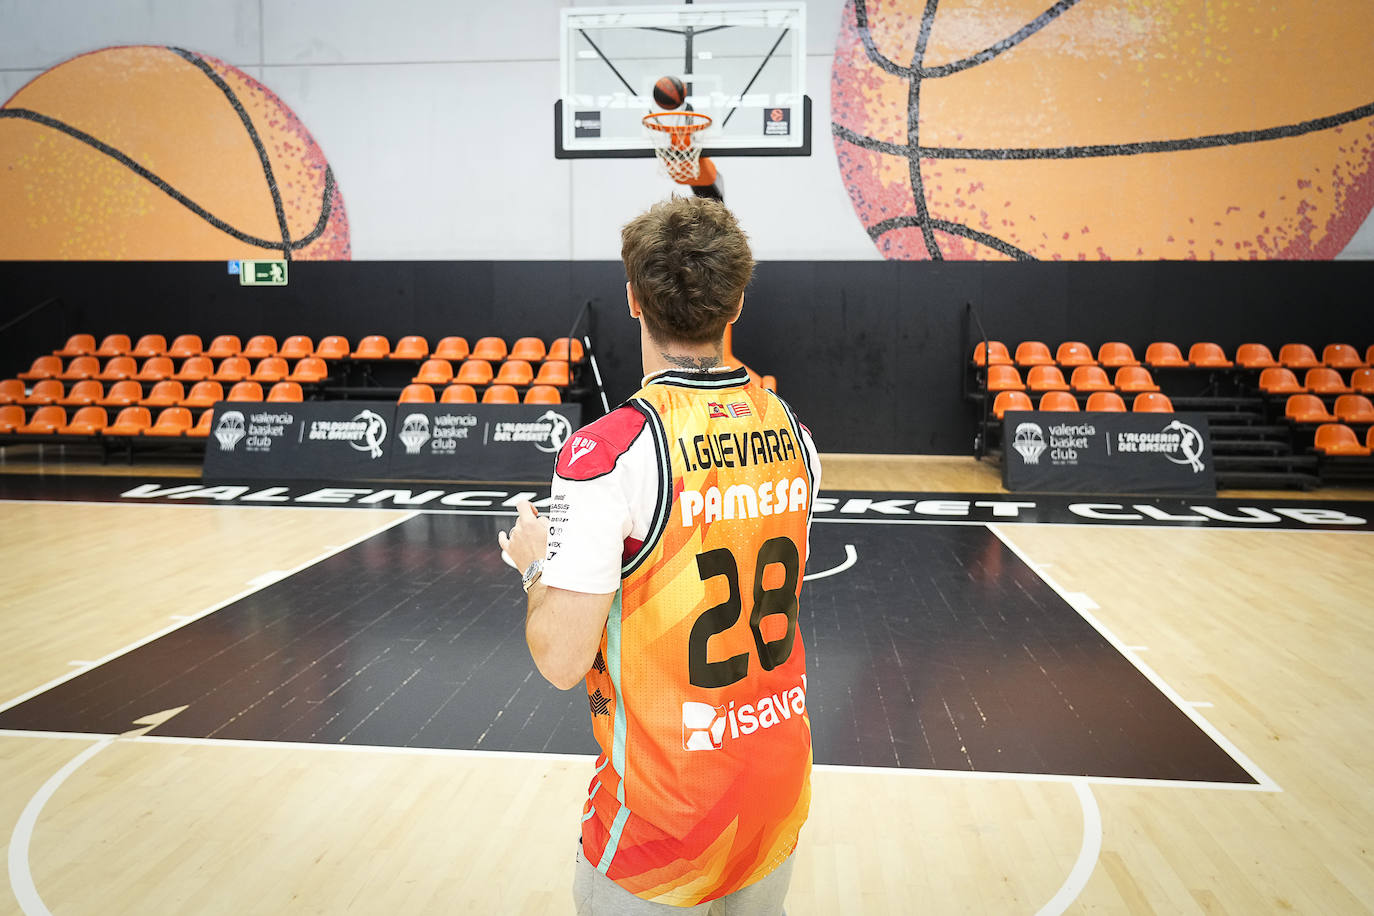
column 590, row 521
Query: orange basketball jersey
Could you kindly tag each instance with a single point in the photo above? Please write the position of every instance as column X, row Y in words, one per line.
column 698, row 693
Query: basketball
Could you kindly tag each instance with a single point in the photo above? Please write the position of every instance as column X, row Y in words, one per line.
column 1155, row 131
column 669, row 92
column 147, row 153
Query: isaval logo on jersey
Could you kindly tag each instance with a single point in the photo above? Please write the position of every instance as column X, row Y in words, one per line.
column 733, row 410
column 704, row 726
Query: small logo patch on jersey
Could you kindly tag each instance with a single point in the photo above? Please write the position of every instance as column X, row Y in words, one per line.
column 580, row 446
column 736, row 410
column 703, row 727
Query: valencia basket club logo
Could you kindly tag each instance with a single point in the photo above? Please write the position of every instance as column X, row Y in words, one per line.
column 229, row 430
column 1029, row 441
column 703, row 727
column 414, row 433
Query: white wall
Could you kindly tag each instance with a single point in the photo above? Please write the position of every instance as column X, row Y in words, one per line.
column 436, row 116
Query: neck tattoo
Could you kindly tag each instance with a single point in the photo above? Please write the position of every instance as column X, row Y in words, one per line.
column 691, row 362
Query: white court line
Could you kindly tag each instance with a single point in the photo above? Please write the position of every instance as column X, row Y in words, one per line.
column 1087, row 855
column 1211, row 731
column 21, row 879
column 183, row 621
column 851, row 556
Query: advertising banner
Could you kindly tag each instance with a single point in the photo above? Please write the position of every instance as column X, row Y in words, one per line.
column 360, row 440
column 1057, row 452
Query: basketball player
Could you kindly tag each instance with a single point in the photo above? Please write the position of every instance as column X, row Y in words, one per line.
column 666, row 577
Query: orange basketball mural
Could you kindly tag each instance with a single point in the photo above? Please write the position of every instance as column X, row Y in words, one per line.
column 1018, row 129
column 153, row 153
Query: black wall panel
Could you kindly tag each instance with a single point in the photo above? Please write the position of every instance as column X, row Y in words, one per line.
column 870, row 353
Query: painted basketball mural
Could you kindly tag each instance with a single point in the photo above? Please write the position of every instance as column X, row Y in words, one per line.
column 154, row 153
column 1016, row 129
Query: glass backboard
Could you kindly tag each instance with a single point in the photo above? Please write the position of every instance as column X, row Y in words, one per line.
column 744, row 64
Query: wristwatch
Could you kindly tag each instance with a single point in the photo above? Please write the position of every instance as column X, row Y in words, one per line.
column 532, row 574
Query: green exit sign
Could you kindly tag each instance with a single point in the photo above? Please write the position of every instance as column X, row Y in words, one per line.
column 262, row 273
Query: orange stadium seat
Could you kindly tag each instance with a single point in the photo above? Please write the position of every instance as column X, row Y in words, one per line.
column 1325, row 381
column 459, row 394
column 272, row 369
column 286, row 391
column 416, row 394
column 1255, row 356
column 45, row 421
column 155, row 369
column 1341, row 356
column 556, row 372
column 231, row 369
column 77, row 345
column 1209, row 355
column 167, row 393
column 114, row 345
column 1278, row 380
column 1354, row 408
column 1033, row 353
column 308, row 370
column 1058, row 400
column 204, row 394
column 118, row 368
column 11, row 418
column 1338, row 439
column 130, row 422
column 1152, row 402
column 515, row 372
column 1307, row 408
column 1090, row 378
column 225, row 345
column 87, row 422
column 373, row 346
column 568, row 349
column 1107, row 401
column 83, row 393
column 332, row 347
column 186, row 346
column 492, row 349
column 434, row 372
column 296, row 346
column 1113, row 355
column 81, row 367
column 1046, row 378
column 999, row 357
column 530, row 349
column 453, row 349
column 260, row 346
column 1004, row 378
column 43, row 367
column 1011, row 400
column 245, row 391
column 202, row 428
column 474, row 372
column 1134, row 379
column 1073, row 353
column 1369, row 438
column 543, row 394
column 500, row 394
column 149, row 345
column 12, row 390
column 122, row 394
column 1298, row 356
column 1162, row 354
column 172, row 422
column 1369, row 356
column 411, row 347
column 47, row 391
column 1362, row 380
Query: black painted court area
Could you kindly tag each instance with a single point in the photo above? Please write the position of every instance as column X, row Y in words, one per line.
column 938, row 649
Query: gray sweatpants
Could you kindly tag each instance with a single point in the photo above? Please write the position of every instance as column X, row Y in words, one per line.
column 597, row 895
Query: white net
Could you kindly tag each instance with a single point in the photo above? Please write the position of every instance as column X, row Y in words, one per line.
column 675, row 142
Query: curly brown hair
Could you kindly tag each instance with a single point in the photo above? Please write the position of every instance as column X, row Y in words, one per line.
column 688, row 262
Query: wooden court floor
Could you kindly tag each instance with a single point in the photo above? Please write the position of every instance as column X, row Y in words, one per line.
column 1267, row 636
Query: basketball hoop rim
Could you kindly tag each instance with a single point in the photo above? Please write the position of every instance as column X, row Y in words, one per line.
column 697, row 120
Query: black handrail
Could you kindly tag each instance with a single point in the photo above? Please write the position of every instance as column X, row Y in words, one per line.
column 980, row 441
